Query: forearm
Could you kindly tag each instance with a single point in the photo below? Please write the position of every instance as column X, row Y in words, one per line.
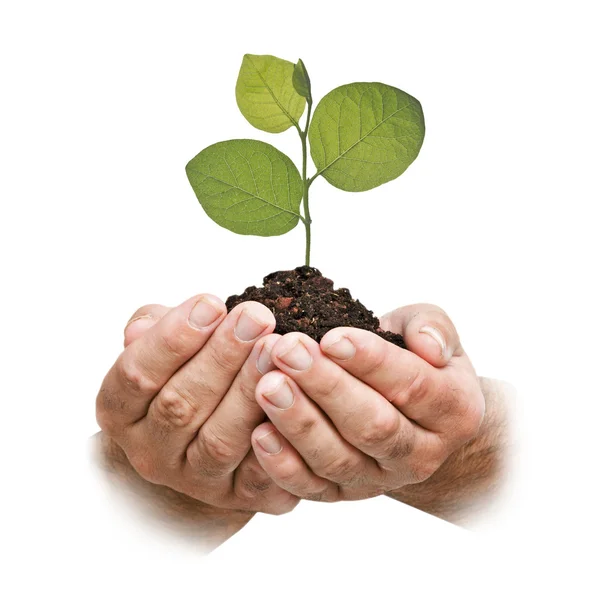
column 211, row 526
column 471, row 478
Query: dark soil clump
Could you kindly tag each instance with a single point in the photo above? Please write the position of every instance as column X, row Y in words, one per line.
column 303, row 300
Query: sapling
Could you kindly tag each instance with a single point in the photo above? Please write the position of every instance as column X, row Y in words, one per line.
column 361, row 135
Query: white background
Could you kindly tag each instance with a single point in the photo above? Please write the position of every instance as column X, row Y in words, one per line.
column 103, row 104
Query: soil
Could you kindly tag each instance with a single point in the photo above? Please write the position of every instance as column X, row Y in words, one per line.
column 303, row 300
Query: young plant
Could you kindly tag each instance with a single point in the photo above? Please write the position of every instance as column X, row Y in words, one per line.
column 361, row 135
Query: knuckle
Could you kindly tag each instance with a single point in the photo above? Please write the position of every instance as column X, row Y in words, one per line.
column 418, row 389
column 374, row 360
column 287, row 472
column 134, row 377
column 176, row 343
column 218, row 449
column 301, row 428
column 445, row 402
column 204, row 389
column 340, row 470
column 252, row 487
column 378, row 430
column 175, row 407
column 398, row 447
column 221, row 362
column 329, row 385
column 145, row 466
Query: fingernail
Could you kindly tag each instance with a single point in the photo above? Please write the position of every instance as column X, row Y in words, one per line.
column 297, row 357
column 249, row 328
column 438, row 337
column 281, row 396
column 270, row 443
column 264, row 363
column 140, row 322
column 342, row 349
column 203, row 314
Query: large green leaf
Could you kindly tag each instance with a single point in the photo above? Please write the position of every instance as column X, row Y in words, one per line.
column 265, row 93
column 365, row 134
column 247, row 186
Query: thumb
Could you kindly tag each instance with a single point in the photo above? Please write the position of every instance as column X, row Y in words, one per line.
column 427, row 331
column 142, row 320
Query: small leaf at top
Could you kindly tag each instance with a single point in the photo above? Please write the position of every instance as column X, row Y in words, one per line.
column 363, row 135
column 265, row 93
column 301, row 80
column 247, row 186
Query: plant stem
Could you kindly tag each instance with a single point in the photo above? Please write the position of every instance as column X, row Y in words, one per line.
column 306, row 184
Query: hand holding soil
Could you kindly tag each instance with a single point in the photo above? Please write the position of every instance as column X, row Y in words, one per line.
column 357, row 416
column 179, row 401
column 350, row 418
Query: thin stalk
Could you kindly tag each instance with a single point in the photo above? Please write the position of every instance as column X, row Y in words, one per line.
column 306, row 184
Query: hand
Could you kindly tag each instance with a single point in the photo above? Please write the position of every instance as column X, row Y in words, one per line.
column 356, row 416
column 180, row 401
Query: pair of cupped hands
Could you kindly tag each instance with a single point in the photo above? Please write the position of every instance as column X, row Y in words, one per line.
column 218, row 407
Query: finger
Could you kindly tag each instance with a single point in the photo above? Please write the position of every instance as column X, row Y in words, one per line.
column 287, row 469
column 427, row 331
column 146, row 365
column 363, row 418
column 194, row 391
column 237, row 415
column 142, row 320
column 257, row 490
column 411, row 384
column 312, row 434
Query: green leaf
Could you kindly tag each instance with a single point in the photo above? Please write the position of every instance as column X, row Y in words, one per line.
column 363, row 135
column 265, row 93
column 247, row 186
column 301, row 80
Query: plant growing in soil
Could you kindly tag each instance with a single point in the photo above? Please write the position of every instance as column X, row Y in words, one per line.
column 361, row 135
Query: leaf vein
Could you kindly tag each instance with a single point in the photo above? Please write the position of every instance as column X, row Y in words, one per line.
column 321, row 171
